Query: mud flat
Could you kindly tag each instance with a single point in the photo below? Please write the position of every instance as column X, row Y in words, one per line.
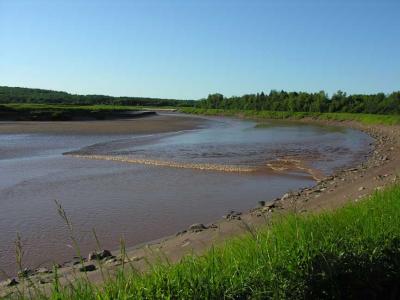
column 153, row 123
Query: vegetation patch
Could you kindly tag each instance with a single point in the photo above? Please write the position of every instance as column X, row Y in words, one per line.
column 64, row 112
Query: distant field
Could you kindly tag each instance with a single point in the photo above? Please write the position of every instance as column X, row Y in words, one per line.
column 363, row 118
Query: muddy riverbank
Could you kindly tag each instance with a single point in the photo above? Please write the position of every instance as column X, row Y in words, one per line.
column 148, row 124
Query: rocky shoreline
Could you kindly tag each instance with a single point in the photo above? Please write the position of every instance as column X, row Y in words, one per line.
column 379, row 169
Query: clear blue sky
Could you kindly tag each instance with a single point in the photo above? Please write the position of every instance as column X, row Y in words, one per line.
column 187, row 49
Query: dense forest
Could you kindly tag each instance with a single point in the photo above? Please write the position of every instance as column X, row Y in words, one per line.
column 274, row 101
column 27, row 95
column 307, row 102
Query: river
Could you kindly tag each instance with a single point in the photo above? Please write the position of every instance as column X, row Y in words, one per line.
column 143, row 187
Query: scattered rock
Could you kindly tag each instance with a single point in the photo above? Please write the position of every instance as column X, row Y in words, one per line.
column 99, row 255
column 181, row 232
column 261, row 203
column 112, row 261
column 10, row 282
column 361, row 188
column 25, row 273
column 233, row 215
column 185, row 244
column 197, row 227
column 287, row 195
column 136, row 258
column 87, row 268
column 42, row 281
column 269, row 207
column 43, row 271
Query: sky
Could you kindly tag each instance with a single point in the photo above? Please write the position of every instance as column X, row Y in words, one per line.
column 188, row 49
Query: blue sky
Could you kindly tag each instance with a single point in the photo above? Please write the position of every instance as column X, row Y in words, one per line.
column 188, row 49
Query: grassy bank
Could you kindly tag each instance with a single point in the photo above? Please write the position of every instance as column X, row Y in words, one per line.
column 362, row 118
column 353, row 252
column 56, row 112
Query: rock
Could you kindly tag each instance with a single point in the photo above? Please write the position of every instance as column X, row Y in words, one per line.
column 99, row 255
column 181, row 232
column 267, row 209
column 271, row 205
column 361, row 188
column 110, row 258
column 197, row 227
column 111, row 261
column 25, row 273
column 185, row 244
column 136, row 258
column 10, row 282
column 233, row 215
column 43, row 271
column 87, row 268
column 285, row 196
column 261, row 203
column 42, row 281
column 133, row 258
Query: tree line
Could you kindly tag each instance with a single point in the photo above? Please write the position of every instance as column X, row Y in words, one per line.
column 28, row 95
column 379, row 103
column 307, row 102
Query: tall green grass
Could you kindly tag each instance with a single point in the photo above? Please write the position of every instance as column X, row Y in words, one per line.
column 353, row 252
column 362, row 118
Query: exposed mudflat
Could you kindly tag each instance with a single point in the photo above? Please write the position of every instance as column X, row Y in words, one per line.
column 146, row 125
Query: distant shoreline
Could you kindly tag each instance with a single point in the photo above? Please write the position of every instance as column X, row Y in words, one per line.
column 64, row 113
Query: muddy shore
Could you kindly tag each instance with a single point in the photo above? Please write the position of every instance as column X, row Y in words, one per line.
column 380, row 168
column 154, row 123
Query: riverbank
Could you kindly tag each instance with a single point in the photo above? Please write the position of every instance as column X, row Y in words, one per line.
column 380, row 169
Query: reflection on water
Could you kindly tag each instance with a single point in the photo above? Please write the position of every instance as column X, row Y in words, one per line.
column 143, row 202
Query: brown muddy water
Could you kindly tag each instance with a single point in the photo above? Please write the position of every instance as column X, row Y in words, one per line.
column 143, row 187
